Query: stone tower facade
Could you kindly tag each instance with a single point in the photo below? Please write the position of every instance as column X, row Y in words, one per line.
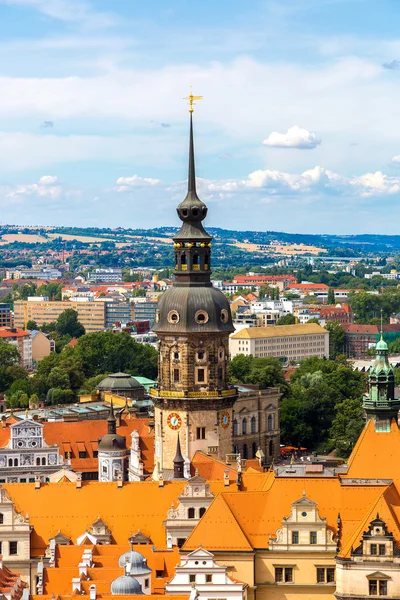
column 193, row 323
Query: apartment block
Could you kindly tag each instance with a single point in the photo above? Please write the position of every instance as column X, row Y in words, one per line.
column 90, row 314
column 286, row 342
column 22, row 340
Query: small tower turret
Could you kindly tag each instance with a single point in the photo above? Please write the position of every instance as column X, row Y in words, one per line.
column 381, row 404
column 112, row 452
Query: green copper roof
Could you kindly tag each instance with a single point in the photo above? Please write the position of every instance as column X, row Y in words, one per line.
column 382, row 345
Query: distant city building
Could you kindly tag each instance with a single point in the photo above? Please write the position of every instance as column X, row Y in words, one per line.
column 42, row 345
column 5, row 315
column 286, row 342
column 22, row 340
column 361, row 338
column 90, row 314
column 107, row 275
column 145, row 311
column 45, row 273
column 117, row 312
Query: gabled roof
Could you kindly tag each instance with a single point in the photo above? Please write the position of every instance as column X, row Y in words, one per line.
column 384, row 507
column 255, row 516
column 220, row 530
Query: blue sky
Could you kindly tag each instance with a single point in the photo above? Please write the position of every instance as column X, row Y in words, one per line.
column 298, row 130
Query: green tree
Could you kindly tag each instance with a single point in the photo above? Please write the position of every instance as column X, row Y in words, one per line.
column 239, row 368
column 68, row 324
column 106, row 352
column 31, row 325
column 347, row 425
column 331, row 296
column 60, row 396
column 286, row 320
column 58, row 378
column 90, row 384
column 9, row 354
column 336, row 338
column 265, row 372
column 317, row 388
column 313, row 320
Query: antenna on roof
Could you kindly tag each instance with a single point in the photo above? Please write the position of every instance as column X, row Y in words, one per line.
column 381, row 324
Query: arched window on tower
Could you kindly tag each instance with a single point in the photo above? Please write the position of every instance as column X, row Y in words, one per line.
column 235, row 427
column 37, row 461
column 183, row 258
column 206, row 260
column 244, row 454
column 253, row 425
column 270, row 423
column 202, row 511
column 1, row 518
column 196, row 259
column 191, row 513
column 271, row 448
column 244, row 426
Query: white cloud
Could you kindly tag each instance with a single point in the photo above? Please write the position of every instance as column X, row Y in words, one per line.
column 125, row 184
column 396, row 159
column 317, row 181
column 48, row 186
column 372, row 184
column 295, row 137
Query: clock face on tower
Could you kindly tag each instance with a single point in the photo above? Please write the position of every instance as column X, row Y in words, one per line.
column 225, row 419
column 174, row 421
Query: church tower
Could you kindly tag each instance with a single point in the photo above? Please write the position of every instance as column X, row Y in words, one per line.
column 193, row 323
column 381, row 404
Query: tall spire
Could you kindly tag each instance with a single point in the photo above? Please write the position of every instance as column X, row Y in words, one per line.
column 111, row 421
column 192, row 171
column 178, row 461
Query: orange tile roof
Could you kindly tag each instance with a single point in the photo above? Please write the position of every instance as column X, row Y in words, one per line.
column 6, row 332
column 385, row 506
column 137, row 505
column 58, row 579
column 375, row 454
column 269, row 507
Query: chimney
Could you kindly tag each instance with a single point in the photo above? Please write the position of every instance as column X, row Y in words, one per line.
column 78, row 481
column 120, row 481
column 37, row 482
column 1, row 561
column 92, row 592
column 226, row 478
column 35, row 418
column 4, row 421
column 82, row 569
column 118, row 418
column 161, row 479
column 87, row 557
column 76, row 585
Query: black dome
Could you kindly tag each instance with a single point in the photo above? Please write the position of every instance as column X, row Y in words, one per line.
column 193, row 309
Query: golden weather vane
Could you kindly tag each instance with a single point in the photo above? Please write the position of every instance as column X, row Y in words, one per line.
column 191, row 99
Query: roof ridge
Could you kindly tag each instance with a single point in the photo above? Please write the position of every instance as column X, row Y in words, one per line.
column 218, row 502
column 236, row 521
column 356, row 448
